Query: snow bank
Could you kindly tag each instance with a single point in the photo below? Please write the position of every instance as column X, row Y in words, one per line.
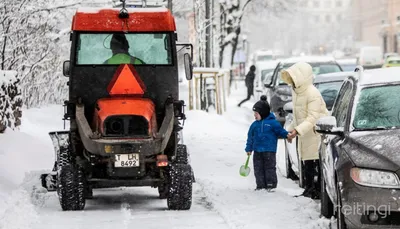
column 20, row 212
column 20, row 189
column 20, row 154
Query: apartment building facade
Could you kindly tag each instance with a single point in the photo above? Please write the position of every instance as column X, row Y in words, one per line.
column 328, row 23
column 377, row 23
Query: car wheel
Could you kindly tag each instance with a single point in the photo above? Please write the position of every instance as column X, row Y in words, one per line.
column 341, row 224
column 290, row 174
column 326, row 203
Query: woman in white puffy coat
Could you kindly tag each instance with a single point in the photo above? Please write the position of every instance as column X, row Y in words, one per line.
column 308, row 107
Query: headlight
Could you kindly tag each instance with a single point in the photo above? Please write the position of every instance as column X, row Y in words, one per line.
column 375, row 178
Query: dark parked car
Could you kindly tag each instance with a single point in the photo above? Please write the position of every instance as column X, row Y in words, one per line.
column 329, row 86
column 359, row 154
column 349, row 64
column 279, row 93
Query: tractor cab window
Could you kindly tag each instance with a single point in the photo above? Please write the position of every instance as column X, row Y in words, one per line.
column 119, row 48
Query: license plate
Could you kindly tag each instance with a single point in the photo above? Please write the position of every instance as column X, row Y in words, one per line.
column 127, row 160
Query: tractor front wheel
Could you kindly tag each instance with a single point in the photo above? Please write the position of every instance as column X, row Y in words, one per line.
column 180, row 188
column 182, row 156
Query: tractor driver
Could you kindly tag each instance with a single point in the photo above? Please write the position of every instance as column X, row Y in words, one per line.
column 120, row 49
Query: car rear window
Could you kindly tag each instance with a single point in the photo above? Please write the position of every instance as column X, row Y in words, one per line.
column 264, row 73
column 318, row 68
column 329, row 91
column 378, row 107
column 394, row 61
column 348, row 67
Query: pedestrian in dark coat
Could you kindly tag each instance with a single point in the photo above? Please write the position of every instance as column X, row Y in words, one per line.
column 263, row 140
column 249, row 81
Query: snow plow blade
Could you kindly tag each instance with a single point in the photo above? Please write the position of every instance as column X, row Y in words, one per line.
column 59, row 139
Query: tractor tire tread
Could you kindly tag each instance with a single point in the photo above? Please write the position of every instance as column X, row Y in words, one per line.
column 71, row 188
column 182, row 156
column 180, row 188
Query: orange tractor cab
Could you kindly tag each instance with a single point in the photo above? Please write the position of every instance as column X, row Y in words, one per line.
column 123, row 108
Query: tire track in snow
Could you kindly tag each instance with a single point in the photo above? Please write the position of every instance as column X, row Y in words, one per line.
column 126, row 213
column 214, row 206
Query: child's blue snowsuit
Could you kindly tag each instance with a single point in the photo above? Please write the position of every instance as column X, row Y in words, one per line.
column 263, row 140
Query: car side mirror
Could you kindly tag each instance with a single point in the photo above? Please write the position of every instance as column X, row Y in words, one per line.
column 188, row 66
column 288, row 107
column 267, row 85
column 66, row 68
column 327, row 125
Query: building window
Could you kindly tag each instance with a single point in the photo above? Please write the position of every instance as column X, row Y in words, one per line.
column 339, row 3
column 303, row 3
column 328, row 18
column 316, row 4
column 339, row 18
column 316, row 17
column 328, row 4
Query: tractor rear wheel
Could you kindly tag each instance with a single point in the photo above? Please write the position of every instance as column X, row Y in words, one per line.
column 180, row 188
column 71, row 188
column 71, row 182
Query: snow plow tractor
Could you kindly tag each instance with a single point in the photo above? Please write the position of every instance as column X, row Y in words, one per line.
column 124, row 113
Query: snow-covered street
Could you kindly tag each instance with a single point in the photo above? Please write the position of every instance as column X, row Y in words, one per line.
column 221, row 198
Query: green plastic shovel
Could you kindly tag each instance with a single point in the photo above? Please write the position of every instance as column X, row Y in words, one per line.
column 245, row 169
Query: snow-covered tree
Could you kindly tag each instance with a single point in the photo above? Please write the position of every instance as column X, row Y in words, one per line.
column 35, row 42
column 10, row 100
column 31, row 46
column 232, row 12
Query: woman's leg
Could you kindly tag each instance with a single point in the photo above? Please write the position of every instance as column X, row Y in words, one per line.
column 309, row 170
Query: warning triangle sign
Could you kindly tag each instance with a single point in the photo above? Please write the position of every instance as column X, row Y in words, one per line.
column 126, row 81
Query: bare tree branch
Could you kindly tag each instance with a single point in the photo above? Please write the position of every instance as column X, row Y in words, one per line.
column 49, row 9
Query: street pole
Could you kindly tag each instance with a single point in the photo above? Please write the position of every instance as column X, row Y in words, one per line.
column 170, row 5
column 212, row 48
column 208, row 37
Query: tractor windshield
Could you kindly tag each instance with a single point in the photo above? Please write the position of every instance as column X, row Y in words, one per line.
column 120, row 48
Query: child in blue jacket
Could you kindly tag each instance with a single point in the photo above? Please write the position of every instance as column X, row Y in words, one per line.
column 263, row 140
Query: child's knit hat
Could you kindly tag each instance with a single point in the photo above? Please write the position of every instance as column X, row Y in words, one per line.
column 262, row 107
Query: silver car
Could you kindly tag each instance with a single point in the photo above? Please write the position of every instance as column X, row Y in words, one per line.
column 329, row 86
